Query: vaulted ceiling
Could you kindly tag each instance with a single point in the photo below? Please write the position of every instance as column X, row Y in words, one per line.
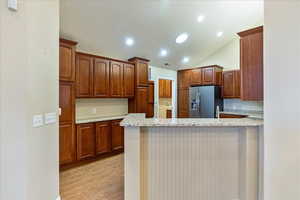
column 101, row 26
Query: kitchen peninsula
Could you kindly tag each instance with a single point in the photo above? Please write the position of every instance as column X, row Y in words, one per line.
column 175, row 159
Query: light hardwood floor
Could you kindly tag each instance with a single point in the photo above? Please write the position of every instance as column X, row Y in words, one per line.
column 100, row 180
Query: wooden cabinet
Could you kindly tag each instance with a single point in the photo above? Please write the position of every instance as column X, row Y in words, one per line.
column 66, row 102
column 117, row 135
column 196, row 76
column 169, row 114
column 211, row 75
column 183, row 103
column 116, row 79
column 231, row 84
column 103, row 137
column 101, row 77
column 85, row 141
column 67, row 60
column 184, row 79
column 84, row 75
column 150, row 108
column 67, row 148
column 251, row 64
column 165, row 88
column 128, row 79
column 141, row 71
column 139, row 104
column 223, row 115
column 142, row 99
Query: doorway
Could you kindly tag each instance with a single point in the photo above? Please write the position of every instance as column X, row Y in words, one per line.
column 165, row 98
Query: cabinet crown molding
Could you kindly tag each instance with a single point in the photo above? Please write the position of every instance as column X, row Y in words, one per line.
column 251, row 31
column 70, row 42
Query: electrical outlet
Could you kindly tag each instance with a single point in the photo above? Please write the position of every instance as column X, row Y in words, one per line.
column 13, row 5
column 37, row 121
column 50, row 118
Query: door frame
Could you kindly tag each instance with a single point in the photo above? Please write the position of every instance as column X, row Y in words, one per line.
column 174, row 97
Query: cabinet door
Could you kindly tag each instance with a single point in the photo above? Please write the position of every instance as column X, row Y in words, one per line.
column 196, row 77
column 142, row 73
column 116, row 79
column 66, row 102
column 67, row 147
column 168, row 89
column 208, row 76
column 84, row 76
column 141, row 100
column 117, row 135
column 128, row 80
column 66, row 62
column 101, row 77
column 228, row 84
column 184, row 79
column 151, row 93
column 237, row 83
column 85, row 141
column 252, row 66
column 161, row 89
column 183, row 103
column 103, row 137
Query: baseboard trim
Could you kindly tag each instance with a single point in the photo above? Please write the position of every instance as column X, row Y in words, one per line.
column 58, row 198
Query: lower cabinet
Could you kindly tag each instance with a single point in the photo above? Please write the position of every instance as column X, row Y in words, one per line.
column 117, row 133
column 98, row 138
column 103, row 137
column 223, row 115
column 66, row 143
column 85, row 141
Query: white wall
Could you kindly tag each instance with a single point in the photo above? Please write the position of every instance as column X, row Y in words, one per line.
column 156, row 73
column 227, row 56
column 282, row 97
column 28, row 86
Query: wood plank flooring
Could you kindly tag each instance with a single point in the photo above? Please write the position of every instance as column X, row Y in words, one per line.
column 100, row 180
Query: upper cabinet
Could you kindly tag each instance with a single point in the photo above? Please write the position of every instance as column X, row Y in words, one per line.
column 251, row 64
column 128, row 85
column 84, row 75
column 231, row 84
column 116, row 79
column 165, row 88
column 184, row 77
column 67, row 60
column 196, row 76
column 99, row 77
column 66, row 102
column 141, row 71
column 211, row 75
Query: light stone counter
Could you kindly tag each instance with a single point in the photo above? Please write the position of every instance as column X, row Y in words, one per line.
column 98, row 119
column 139, row 120
column 192, row 159
column 248, row 113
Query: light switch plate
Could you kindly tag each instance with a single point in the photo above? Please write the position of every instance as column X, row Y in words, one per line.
column 37, row 121
column 13, row 5
column 50, row 118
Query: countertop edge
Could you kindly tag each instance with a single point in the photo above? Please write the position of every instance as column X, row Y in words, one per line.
column 100, row 119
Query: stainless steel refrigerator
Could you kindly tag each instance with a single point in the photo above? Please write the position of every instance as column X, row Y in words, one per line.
column 204, row 101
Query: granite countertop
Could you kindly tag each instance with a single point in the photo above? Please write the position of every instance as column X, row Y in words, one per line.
column 139, row 120
column 98, row 119
column 248, row 113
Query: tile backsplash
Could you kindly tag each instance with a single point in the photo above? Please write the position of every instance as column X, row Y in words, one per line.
column 94, row 108
column 237, row 104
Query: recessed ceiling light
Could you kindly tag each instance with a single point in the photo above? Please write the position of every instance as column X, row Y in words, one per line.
column 129, row 41
column 182, row 38
column 201, row 18
column 185, row 59
column 220, row 34
column 163, row 52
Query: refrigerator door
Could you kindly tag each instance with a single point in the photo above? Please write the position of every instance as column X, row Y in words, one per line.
column 194, row 102
column 207, row 102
